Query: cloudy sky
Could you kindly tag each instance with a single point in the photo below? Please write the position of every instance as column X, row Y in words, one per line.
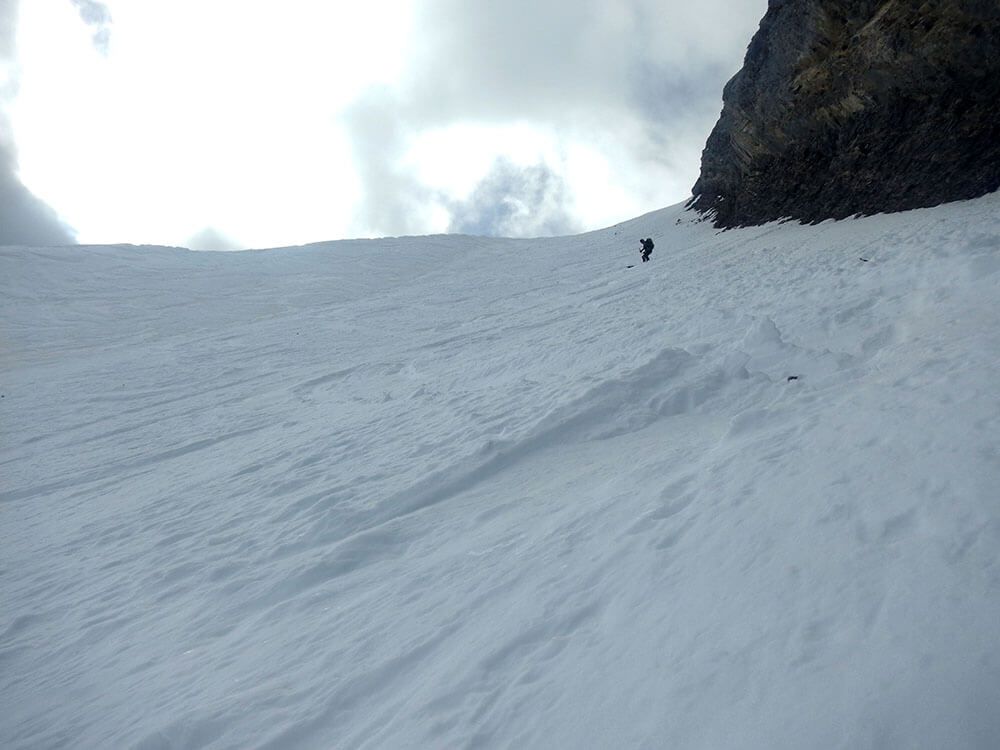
column 234, row 123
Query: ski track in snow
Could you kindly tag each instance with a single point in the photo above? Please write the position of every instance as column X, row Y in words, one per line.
column 466, row 492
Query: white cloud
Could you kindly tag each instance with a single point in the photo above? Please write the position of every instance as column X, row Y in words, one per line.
column 97, row 16
column 637, row 82
column 305, row 121
column 211, row 238
column 513, row 201
column 24, row 218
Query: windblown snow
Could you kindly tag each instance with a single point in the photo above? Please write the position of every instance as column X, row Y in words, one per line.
column 453, row 492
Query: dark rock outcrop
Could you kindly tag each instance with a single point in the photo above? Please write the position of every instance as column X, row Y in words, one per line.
column 848, row 107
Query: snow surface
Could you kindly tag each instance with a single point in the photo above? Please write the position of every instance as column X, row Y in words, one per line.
column 460, row 492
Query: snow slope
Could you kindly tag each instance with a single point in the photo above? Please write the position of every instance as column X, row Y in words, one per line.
column 459, row 492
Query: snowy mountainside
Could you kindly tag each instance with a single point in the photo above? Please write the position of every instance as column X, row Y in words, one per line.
column 466, row 492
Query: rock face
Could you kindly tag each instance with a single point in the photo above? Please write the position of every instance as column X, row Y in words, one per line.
column 850, row 107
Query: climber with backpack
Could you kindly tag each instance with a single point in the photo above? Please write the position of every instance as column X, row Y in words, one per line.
column 647, row 248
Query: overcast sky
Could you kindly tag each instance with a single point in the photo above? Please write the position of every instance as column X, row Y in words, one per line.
column 221, row 124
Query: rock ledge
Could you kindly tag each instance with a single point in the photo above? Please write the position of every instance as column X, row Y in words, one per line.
column 848, row 107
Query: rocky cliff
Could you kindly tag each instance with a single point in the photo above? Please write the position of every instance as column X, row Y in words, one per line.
column 850, row 107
